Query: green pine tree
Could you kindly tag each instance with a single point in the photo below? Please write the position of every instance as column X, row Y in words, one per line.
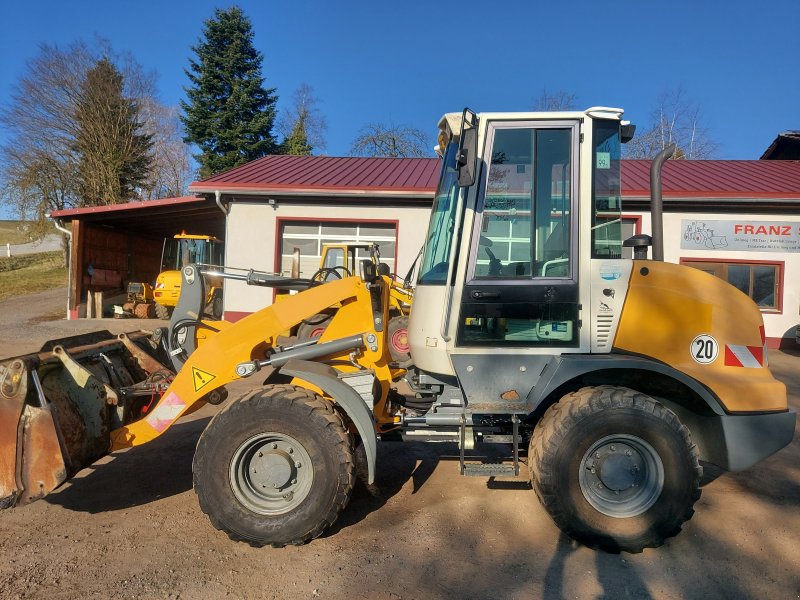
column 296, row 143
column 114, row 156
column 229, row 113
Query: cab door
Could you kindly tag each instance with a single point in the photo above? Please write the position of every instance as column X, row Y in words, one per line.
column 521, row 286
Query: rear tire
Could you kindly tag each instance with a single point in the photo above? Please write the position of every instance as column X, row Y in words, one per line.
column 313, row 327
column 162, row 312
column 275, row 467
column 397, row 334
column 216, row 306
column 143, row 311
column 615, row 469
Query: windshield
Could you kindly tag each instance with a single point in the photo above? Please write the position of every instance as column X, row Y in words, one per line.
column 436, row 256
column 180, row 252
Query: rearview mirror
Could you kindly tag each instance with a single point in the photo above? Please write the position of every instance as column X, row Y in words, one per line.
column 466, row 158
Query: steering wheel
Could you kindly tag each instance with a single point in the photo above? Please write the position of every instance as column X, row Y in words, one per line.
column 324, row 273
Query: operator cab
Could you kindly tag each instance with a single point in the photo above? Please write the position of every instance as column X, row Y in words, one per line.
column 510, row 246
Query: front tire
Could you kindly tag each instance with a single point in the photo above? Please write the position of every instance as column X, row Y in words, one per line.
column 275, row 467
column 615, row 469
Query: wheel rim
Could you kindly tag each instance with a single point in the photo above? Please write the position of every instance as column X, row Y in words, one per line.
column 621, row 475
column 271, row 474
column 400, row 340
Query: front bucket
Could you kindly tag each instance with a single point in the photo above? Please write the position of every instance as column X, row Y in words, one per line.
column 31, row 461
column 58, row 408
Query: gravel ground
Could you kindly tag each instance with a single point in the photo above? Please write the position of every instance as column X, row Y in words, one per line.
column 130, row 527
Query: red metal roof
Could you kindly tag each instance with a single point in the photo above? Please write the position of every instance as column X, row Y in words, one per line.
column 90, row 210
column 418, row 176
column 715, row 178
column 329, row 174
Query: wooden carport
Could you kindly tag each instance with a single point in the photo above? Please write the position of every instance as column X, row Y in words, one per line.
column 113, row 245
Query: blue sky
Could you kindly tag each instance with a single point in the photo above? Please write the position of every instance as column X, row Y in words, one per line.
column 406, row 63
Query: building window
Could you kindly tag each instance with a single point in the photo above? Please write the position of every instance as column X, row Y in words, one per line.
column 762, row 281
column 309, row 237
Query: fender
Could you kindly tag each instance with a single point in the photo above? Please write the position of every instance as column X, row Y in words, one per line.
column 324, row 377
column 566, row 367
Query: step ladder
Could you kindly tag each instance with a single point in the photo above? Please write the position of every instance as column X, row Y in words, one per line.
column 488, row 469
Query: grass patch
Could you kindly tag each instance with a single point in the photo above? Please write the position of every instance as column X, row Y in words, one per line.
column 12, row 232
column 20, row 275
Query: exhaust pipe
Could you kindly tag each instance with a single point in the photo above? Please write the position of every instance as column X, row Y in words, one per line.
column 656, row 201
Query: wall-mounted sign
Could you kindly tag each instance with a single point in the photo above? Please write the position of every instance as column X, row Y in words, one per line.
column 740, row 235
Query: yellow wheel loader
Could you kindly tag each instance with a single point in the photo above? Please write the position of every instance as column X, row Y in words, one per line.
column 527, row 331
column 159, row 300
column 340, row 260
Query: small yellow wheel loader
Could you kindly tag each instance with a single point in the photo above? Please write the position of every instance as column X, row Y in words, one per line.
column 340, row 260
column 527, row 330
column 159, row 300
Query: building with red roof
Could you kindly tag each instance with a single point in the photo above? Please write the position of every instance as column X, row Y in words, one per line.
column 269, row 207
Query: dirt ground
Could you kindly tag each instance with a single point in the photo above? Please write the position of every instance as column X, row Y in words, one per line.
column 130, row 527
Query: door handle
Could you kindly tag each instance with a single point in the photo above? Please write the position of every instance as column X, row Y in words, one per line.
column 481, row 295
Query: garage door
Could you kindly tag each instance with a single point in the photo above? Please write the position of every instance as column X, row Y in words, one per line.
column 309, row 237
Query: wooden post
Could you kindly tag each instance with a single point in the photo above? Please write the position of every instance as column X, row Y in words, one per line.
column 76, row 267
column 98, row 305
column 89, row 304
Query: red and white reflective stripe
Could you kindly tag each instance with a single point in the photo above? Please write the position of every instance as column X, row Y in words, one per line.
column 165, row 412
column 751, row 357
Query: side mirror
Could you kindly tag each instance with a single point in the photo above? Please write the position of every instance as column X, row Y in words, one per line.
column 626, row 132
column 466, row 157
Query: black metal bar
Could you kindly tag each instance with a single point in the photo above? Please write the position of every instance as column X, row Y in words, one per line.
column 656, row 201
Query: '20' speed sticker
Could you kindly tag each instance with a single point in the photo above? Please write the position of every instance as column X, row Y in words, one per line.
column 704, row 349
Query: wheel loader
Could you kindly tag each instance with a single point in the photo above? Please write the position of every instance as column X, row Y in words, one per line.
column 528, row 331
column 340, row 260
column 159, row 300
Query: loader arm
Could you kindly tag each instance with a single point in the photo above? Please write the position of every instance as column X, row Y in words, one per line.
column 214, row 363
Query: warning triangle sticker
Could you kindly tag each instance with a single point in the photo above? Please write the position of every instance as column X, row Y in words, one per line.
column 201, row 378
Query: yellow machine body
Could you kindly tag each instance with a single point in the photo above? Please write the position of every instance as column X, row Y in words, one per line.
column 214, row 364
column 670, row 313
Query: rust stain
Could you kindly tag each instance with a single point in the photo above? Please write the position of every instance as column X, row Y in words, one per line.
column 511, row 395
column 13, row 389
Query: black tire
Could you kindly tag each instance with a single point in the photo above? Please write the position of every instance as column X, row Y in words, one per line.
column 615, row 469
column 397, row 338
column 162, row 312
column 313, row 327
column 216, row 306
column 270, row 429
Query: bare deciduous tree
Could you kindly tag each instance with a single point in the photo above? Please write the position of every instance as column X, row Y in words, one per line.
column 171, row 171
column 376, row 139
column 676, row 120
column 304, row 114
column 559, row 100
column 39, row 162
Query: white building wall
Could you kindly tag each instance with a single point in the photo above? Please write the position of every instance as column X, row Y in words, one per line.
column 252, row 229
column 776, row 324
